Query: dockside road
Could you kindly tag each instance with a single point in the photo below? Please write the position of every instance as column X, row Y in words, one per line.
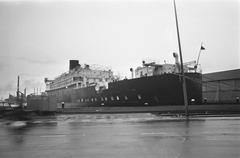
column 204, row 109
column 141, row 135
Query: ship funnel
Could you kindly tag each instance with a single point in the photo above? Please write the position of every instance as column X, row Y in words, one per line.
column 73, row 64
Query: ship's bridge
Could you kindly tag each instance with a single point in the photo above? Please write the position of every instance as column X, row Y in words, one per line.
column 153, row 68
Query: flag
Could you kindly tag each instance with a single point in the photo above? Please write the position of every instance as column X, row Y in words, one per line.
column 202, row 48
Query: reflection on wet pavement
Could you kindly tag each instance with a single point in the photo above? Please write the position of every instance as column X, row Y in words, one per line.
column 121, row 135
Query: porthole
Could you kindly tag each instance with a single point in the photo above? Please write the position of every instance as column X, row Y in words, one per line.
column 139, row 97
column 102, row 99
column 112, row 98
column 125, row 97
column 105, row 98
column 146, row 104
column 118, row 98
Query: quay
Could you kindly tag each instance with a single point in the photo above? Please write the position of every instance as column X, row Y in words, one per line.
column 180, row 109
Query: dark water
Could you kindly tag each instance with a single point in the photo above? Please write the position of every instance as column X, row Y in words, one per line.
column 121, row 136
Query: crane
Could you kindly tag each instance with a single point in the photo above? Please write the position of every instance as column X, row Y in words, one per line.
column 199, row 53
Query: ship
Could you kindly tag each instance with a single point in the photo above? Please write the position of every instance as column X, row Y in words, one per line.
column 152, row 84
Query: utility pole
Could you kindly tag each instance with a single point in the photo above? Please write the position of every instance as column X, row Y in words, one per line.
column 25, row 92
column 18, row 89
column 182, row 70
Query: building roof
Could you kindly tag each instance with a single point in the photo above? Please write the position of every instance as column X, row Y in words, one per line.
column 222, row 75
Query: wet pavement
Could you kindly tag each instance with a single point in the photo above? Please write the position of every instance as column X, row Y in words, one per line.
column 121, row 136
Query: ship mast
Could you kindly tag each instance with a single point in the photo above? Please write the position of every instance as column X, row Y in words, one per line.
column 182, row 70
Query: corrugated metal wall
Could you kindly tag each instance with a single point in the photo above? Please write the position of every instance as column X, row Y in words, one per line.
column 222, row 91
column 41, row 103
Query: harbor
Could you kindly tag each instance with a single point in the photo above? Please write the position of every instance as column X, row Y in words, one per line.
column 119, row 79
column 161, row 87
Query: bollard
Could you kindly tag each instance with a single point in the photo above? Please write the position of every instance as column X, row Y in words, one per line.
column 205, row 100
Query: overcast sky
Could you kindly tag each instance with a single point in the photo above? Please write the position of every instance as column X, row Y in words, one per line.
column 37, row 38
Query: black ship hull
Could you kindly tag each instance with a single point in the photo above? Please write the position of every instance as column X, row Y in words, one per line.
column 145, row 91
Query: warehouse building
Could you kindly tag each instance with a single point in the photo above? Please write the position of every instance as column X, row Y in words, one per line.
column 221, row 87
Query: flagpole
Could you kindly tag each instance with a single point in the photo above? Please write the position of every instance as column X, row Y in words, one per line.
column 182, row 70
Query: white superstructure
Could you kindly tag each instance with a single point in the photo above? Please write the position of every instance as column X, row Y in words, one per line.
column 79, row 77
column 151, row 69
